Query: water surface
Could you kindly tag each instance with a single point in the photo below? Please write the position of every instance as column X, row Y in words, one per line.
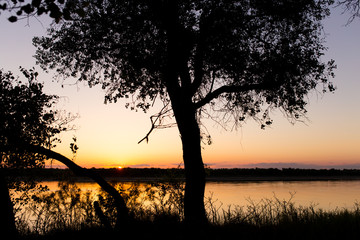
column 327, row 195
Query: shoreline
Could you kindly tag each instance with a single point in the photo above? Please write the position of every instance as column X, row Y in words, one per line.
column 215, row 179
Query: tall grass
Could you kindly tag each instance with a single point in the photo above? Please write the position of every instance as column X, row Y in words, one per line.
column 71, row 209
column 67, row 208
column 275, row 212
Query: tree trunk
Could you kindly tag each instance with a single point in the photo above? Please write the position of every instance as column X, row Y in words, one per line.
column 185, row 114
column 7, row 219
column 195, row 176
column 194, row 168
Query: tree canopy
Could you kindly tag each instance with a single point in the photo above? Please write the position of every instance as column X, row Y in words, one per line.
column 27, row 117
column 28, row 128
column 245, row 56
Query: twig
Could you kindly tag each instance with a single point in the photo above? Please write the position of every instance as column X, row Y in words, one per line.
column 156, row 122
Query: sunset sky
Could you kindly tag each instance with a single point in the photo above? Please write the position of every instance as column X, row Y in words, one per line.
column 108, row 135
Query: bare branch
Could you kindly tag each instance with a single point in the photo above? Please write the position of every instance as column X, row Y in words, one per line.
column 148, row 134
column 157, row 121
column 351, row 6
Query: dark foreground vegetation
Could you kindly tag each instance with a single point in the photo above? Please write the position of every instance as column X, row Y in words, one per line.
column 157, row 213
column 338, row 228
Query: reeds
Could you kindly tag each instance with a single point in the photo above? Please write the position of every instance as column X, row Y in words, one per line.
column 275, row 212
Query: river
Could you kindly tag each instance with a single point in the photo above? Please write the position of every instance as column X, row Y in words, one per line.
column 327, row 195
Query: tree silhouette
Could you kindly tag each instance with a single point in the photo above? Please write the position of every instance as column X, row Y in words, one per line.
column 26, row 116
column 206, row 57
column 28, row 128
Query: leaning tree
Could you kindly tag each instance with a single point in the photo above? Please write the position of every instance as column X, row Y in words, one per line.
column 29, row 128
column 241, row 58
column 27, row 116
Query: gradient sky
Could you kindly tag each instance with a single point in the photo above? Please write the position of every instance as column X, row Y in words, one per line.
column 108, row 135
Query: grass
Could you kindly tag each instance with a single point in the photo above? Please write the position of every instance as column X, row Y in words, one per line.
column 157, row 211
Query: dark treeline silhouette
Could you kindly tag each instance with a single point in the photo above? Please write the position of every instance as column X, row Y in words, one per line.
column 170, row 174
column 285, row 173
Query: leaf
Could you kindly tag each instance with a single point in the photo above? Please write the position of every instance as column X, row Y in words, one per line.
column 3, row 6
column 55, row 12
column 27, row 8
column 67, row 15
column 12, row 19
column 41, row 10
column 36, row 3
column 80, row 12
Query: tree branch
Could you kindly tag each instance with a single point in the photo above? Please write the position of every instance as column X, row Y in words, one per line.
column 199, row 57
column 229, row 89
column 158, row 122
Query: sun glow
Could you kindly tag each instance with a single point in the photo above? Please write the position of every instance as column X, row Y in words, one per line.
column 119, row 167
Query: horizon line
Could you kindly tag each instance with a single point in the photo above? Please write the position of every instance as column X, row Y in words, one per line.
column 278, row 165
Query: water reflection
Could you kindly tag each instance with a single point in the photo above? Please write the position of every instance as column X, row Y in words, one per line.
column 327, row 195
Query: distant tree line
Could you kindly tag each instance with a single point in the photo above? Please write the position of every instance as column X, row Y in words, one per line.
column 284, row 172
column 179, row 174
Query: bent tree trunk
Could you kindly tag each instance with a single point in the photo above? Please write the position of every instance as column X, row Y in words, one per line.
column 122, row 217
column 121, row 208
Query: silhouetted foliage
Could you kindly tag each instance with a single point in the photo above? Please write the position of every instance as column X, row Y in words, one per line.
column 273, row 46
column 60, row 9
column 27, row 133
column 27, row 117
column 225, row 60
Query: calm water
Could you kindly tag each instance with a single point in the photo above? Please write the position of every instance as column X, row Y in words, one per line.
column 324, row 194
